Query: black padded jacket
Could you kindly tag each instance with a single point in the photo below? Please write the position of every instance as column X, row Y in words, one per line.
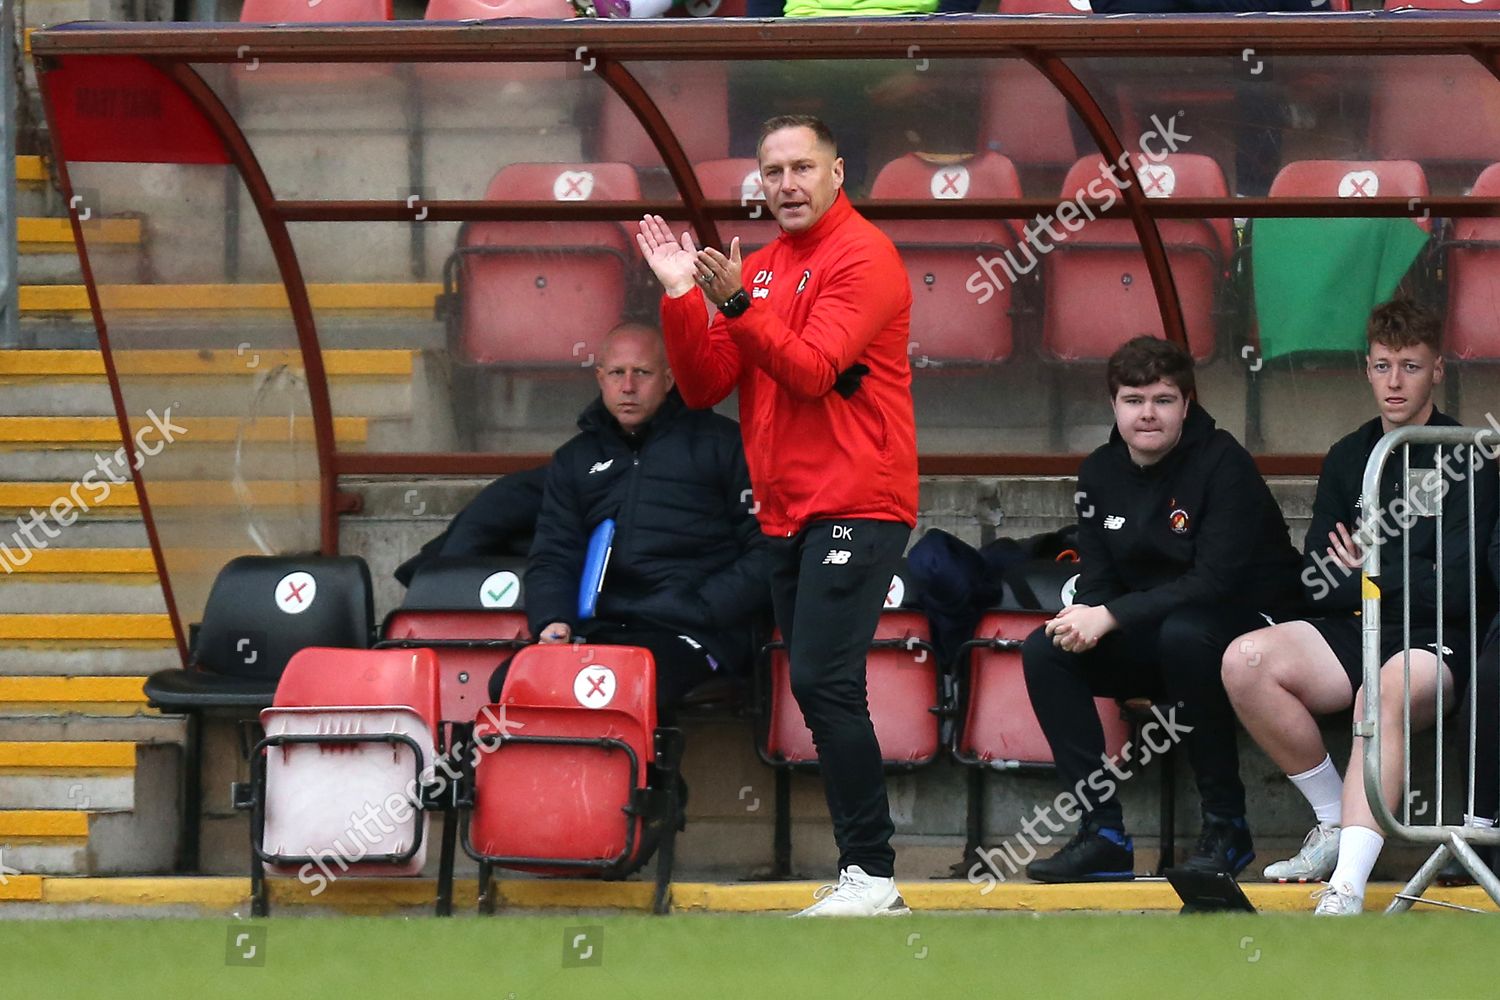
column 688, row 554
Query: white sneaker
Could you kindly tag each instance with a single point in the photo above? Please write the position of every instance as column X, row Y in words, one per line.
column 1314, row 863
column 857, row 895
column 1339, row 901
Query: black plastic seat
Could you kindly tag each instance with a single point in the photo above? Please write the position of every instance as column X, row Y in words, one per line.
column 260, row 611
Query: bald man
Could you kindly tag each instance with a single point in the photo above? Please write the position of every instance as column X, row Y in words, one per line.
column 689, row 572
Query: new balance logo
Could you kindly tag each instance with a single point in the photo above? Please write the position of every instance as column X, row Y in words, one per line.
column 601, row 466
column 1114, row 522
column 836, row 557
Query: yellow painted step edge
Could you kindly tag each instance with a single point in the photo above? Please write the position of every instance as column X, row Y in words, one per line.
column 31, row 169
column 92, row 755
column 89, row 627
column 21, row 889
column 63, row 363
column 91, row 430
column 373, row 893
column 185, row 493
column 72, row 690
column 38, row 824
column 231, row 298
column 88, row 562
column 33, row 234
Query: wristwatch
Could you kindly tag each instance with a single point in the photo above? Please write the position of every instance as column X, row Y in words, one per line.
column 735, row 305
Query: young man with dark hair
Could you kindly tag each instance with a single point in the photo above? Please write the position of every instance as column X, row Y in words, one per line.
column 1182, row 548
column 816, row 344
column 1281, row 678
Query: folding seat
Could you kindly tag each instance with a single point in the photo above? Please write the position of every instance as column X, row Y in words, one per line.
column 492, row 75
column 570, row 773
column 951, row 322
column 737, row 179
column 260, row 611
column 1473, row 266
column 472, row 613
column 1021, row 115
column 540, row 294
column 323, row 12
column 1434, row 109
column 1097, row 290
column 906, row 699
column 345, row 774
column 694, row 99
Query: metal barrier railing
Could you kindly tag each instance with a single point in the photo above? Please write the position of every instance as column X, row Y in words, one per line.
column 1451, row 840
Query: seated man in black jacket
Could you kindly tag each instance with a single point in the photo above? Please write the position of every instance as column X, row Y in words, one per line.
column 1281, row 678
column 1182, row 547
column 688, row 574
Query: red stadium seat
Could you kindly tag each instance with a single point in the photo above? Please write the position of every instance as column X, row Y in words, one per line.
column 737, row 179
column 1442, row 4
column 1045, row 7
column 1473, row 258
column 1352, row 179
column 999, row 729
column 1024, row 117
column 323, row 12
column 902, row 674
column 1098, row 292
column 539, row 294
column 1434, row 109
column 582, row 781
column 903, row 678
column 349, row 730
column 694, row 99
column 950, row 321
column 466, row 10
column 472, row 614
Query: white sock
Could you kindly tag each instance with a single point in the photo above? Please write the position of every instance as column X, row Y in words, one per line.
column 1324, row 791
column 1478, row 821
column 1359, row 847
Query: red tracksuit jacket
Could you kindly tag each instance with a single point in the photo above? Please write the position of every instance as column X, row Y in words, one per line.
column 821, row 301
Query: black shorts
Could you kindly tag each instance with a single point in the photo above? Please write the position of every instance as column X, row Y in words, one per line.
column 1344, row 638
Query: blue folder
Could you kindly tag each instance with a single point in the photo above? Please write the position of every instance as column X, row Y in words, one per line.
column 595, row 562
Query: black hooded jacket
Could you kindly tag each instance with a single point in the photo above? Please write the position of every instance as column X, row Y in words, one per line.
column 1340, row 487
column 1198, row 527
column 688, row 553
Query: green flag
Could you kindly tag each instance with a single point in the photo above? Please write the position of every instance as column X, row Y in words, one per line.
column 1316, row 280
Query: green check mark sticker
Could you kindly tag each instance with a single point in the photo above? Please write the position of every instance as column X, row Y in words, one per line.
column 500, row 590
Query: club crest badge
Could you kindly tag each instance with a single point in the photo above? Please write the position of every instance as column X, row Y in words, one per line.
column 1178, row 519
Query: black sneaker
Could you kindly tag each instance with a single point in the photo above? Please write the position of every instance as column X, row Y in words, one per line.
column 1093, row 855
column 1223, row 847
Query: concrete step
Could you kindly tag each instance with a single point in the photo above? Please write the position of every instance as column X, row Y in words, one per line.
column 140, row 730
column 117, row 696
column 134, row 595
column 98, row 530
column 44, row 841
column 62, row 659
column 103, row 564
column 373, row 383
column 95, row 775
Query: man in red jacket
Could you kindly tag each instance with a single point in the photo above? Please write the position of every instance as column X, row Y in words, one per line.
column 817, row 347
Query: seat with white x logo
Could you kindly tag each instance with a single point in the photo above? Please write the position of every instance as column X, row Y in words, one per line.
column 541, row 294
column 1098, row 291
column 581, row 781
column 949, row 324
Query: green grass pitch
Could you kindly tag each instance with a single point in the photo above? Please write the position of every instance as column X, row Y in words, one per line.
column 529, row 957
